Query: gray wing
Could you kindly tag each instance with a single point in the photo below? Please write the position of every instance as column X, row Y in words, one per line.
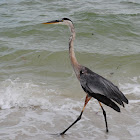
column 95, row 85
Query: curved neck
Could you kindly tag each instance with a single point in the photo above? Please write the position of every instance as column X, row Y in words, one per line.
column 73, row 59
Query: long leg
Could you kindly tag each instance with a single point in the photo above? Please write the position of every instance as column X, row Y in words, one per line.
column 104, row 113
column 86, row 101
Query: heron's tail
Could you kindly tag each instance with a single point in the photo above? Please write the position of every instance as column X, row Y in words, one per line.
column 106, row 101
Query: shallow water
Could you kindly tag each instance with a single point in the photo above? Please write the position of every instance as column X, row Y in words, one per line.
column 39, row 93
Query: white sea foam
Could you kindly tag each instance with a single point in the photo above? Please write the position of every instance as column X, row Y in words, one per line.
column 131, row 88
column 14, row 93
column 54, row 111
column 17, row 94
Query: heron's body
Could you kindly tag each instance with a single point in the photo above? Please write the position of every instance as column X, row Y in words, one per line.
column 101, row 89
column 93, row 84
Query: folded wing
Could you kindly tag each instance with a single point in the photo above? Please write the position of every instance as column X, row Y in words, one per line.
column 102, row 89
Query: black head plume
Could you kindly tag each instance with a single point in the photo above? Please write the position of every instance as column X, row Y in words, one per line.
column 66, row 19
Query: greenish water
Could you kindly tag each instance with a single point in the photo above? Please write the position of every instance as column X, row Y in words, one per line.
column 39, row 93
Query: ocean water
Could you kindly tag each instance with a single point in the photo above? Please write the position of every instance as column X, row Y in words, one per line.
column 39, row 93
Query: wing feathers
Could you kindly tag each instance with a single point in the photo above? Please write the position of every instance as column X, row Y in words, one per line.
column 106, row 101
column 111, row 88
column 101, row 89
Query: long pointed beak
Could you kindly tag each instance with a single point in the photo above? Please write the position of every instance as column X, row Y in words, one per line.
column 53, row 22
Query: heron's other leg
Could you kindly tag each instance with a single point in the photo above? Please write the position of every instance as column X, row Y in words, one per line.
column 104, row 113
column 86, row 101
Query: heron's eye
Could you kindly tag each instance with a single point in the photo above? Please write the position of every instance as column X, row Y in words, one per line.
column 81, row 72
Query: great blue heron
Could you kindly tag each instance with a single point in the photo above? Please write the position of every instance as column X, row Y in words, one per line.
column 93, row 84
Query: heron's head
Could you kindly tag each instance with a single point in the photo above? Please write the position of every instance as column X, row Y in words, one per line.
column 63, row 21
